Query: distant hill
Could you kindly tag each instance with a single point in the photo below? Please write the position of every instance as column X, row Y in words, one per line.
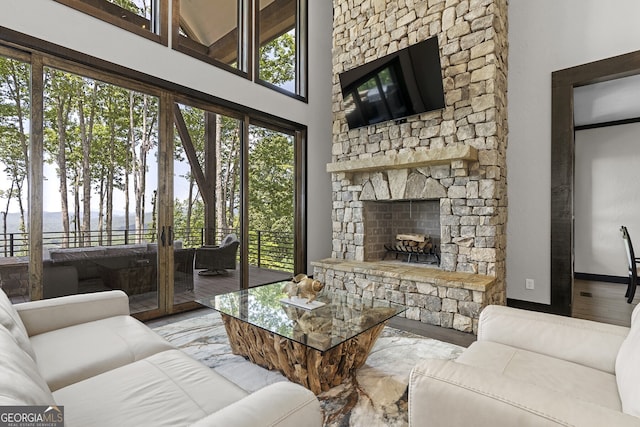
column 52, row 222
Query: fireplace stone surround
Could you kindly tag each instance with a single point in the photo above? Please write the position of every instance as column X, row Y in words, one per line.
column 456, row 155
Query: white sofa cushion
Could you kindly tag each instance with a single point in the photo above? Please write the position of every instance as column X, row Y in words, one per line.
column 166, row 389
column 77, row 352
column 20, row 380
column 572, row 379
column 628, row 368
column 10, row 319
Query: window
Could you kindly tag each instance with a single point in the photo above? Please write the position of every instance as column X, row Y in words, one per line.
column 216, row 32
column 147, row 18
column 15, row 104
column 263, row 40
column 221, row 33
column 280, row 44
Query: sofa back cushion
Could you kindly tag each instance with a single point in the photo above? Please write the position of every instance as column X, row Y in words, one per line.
column 11, row 321
column 20, row 379
column 628, row 368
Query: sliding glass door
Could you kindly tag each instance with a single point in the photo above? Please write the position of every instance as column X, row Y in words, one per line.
column 271, row 205
column 99, row 189
column 206, row 186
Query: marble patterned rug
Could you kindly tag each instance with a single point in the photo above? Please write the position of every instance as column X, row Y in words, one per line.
column 377, row 396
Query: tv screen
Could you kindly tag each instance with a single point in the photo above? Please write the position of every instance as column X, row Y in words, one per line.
column 401, row 84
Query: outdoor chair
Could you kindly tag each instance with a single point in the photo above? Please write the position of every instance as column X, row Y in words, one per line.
column 632, row 261
column 217, row 259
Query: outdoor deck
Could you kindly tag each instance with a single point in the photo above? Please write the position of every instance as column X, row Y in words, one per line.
column 207, row 287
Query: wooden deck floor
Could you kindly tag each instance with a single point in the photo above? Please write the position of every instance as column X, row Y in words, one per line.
column 194, row 287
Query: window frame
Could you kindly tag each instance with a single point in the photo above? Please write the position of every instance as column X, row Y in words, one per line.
column 192, row 48
column 301, row 56
column 109, row 12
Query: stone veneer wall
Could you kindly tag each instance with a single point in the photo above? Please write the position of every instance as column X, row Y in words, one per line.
column 472, row 36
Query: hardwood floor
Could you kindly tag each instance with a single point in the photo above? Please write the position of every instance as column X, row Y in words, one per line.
column 602, row 302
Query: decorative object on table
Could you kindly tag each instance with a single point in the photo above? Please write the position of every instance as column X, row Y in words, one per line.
column 302, row 286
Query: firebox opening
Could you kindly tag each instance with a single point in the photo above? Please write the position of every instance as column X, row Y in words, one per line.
column 386, row 220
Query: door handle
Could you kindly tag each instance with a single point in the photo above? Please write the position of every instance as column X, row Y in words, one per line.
column 163, row 237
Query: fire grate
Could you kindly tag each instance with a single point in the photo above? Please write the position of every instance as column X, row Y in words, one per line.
column 417, row 247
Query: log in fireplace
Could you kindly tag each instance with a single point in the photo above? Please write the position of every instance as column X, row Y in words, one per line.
column 415, row 247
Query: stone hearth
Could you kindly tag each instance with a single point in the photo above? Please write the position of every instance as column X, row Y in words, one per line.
column 444, row 298
column 456, row 155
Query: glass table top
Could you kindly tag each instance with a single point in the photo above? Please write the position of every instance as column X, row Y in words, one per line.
column 342, row 317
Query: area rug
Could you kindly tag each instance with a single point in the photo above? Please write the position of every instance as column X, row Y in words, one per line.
column 377, row 396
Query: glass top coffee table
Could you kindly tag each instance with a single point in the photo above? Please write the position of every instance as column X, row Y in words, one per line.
column 317, row 348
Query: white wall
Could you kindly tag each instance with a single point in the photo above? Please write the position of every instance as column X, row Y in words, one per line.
column 545, row 36
column 607, row 173
column 51, row 21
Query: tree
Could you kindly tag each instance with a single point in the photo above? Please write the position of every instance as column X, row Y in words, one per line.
column 86, row 138
column 278, row 60
column 14, row 147
column 61, row 89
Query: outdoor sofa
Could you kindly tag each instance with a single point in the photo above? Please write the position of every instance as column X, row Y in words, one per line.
column 105, row 368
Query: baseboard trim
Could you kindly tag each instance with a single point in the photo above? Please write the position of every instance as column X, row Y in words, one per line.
column 601, row 278
column 532, row 306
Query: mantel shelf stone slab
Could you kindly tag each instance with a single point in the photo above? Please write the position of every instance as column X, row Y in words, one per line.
column 406, row 160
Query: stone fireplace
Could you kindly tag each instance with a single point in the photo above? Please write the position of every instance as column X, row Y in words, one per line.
column 456, row 156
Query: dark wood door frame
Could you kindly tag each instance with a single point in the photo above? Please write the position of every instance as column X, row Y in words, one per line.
column 562, row 165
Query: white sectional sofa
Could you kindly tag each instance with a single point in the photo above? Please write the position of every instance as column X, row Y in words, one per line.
column 533, row 369
column 85, row 352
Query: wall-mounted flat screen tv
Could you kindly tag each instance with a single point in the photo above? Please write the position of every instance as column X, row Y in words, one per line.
column 393, row 87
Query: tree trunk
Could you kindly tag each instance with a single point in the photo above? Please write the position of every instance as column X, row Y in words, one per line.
column 77, row 236
column 187, row 231
column 101, row 211
column 17, row 98
column 110, row 179
column 23, row 223
column 62, row 169
column 86, row 136
column 4, row 219
column 220, row 181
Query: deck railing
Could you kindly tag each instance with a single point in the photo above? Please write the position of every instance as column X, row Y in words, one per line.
column 268, row 249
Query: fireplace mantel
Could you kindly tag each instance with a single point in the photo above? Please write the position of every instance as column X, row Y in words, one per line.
column 407, row 160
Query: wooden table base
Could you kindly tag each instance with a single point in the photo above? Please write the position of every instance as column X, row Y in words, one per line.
column 318, row 371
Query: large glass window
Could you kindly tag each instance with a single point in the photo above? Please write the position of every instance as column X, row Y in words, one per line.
column 216, row 32
column 280, row 44
column 222, row 34
column 128, row 182
column 147, row 18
